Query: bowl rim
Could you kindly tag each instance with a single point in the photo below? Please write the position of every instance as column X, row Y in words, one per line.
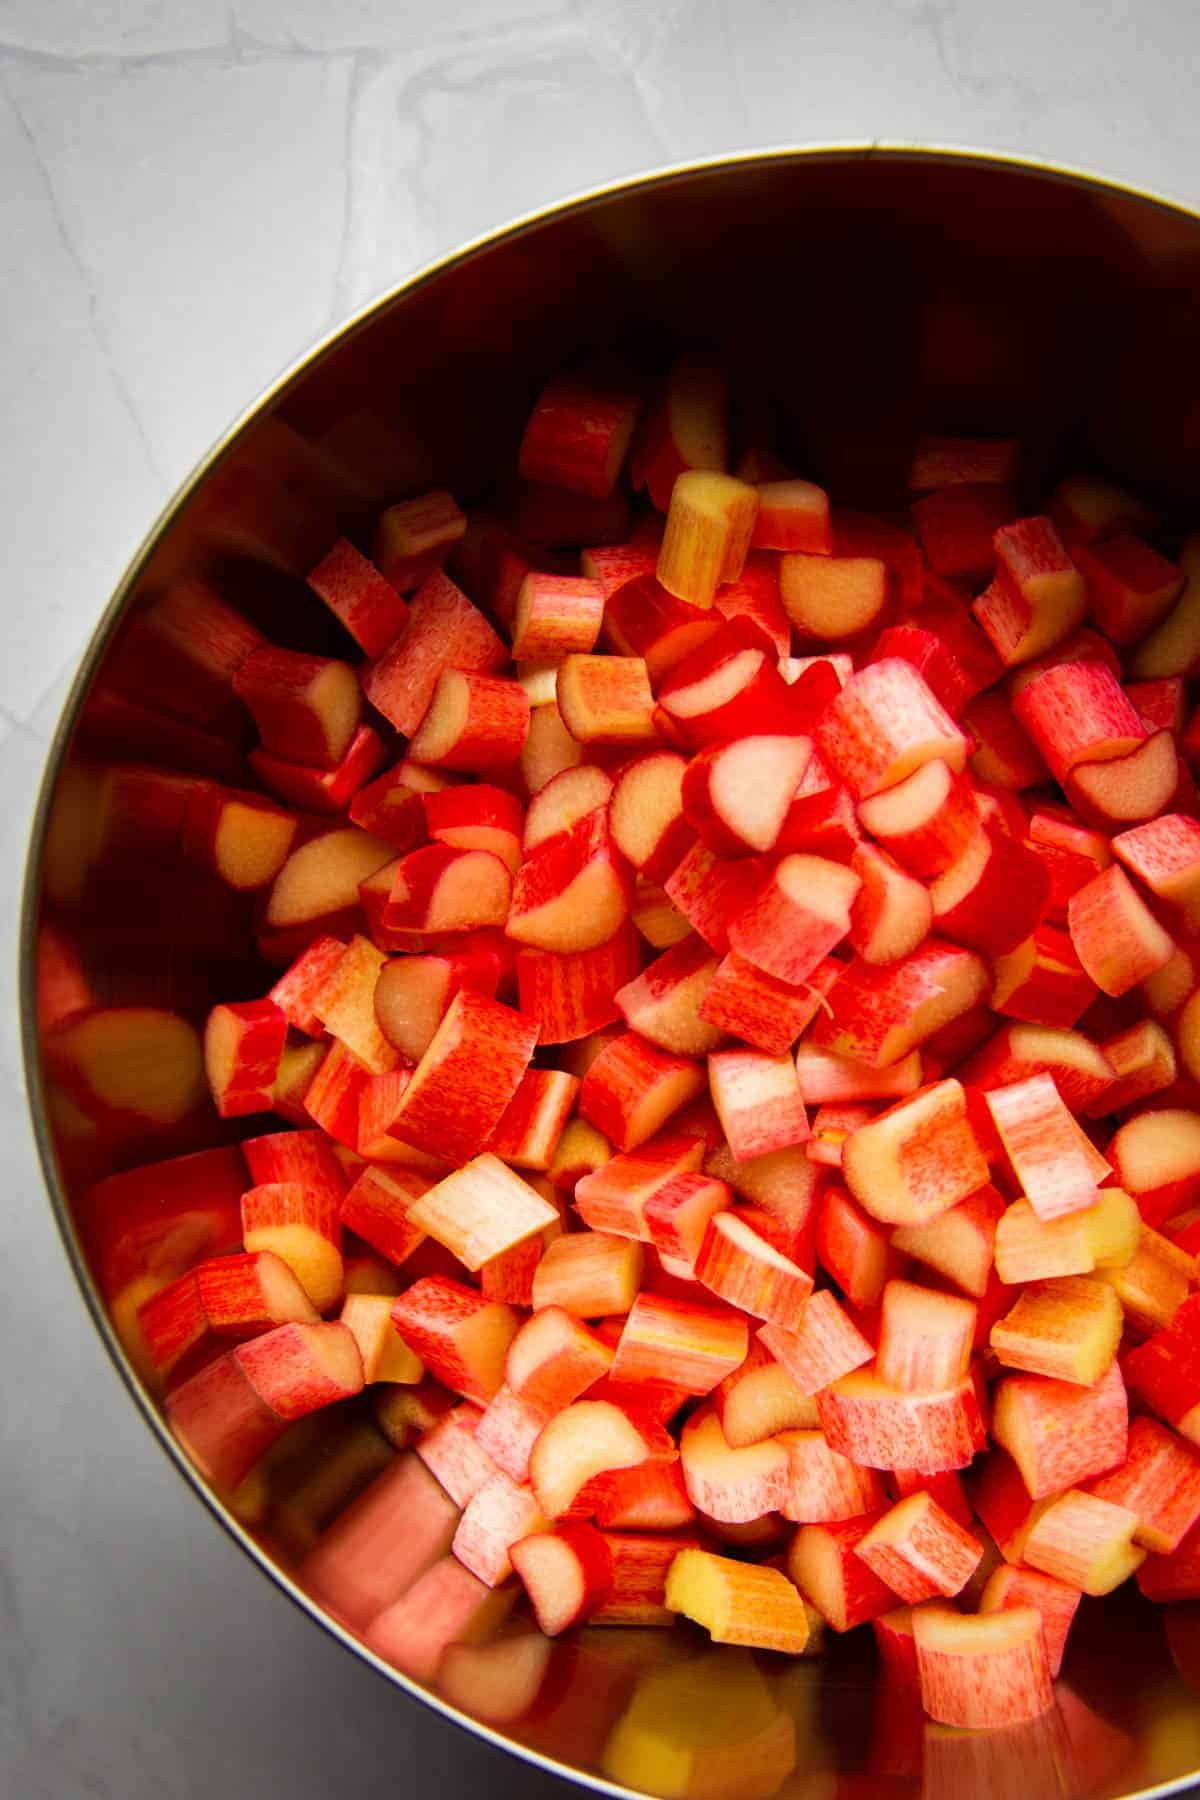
column 513, row 229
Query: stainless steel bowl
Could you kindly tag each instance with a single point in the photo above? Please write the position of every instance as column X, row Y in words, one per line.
column 860, row 293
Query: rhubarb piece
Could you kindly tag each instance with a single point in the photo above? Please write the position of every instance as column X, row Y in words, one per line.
column 726, row 688
column 1085, row 1541
column 820, row 1345
column 306, row 708
column 1077, row 712
column 589, row 1274
column 892, row 912
column 413, row 537
column 677, row 1343
column 796, row 918
column 299, row 1368
column 1156, row 1158
column 614, row 1197
column 982, row 1670
column 878, row 1015
column 916, row 1160
column 433, row 890
column 1067, row 1328
column 243, row 1048
column 925, row 821
column 385, row 1356
column 826, row 1078
column 822, row 1563
column 677, row 1214
column 881, row 1427
column 853, row 1247
column 646, row 813
column 760, row 1399
column 1042, row 981
column 685, row 429
column 532, row 1126
column 710, row 522
column 467, row 1077
column 565, row 799
column 481, row 1210
column 316, row 891
column 566, row 1572
column 884, row 724
column 1052, row 1159
column 222, row 1422
column 749, row 1004
column 413, row 993
column 832, row 597
column 1029, row 1248
column 957, row 525
column 919, row 1551
column 758, row 1102
column 573, row 994
column 1165, row 855
column 738, row 1603
column 443, row 631
column 554, row 1358
column 731, row 1485
column 642, row 619
column 633, row 1087
column 736, row 795
column 1131, row 587
column 358, row 595
column 1079, row 1069
column 743, row 1269
column 496, row 1517
column 1159, row 1481
column 959, row 1243
column 476, row 817
column 824, row 1486
column 578, row 435
column 606, row 700
column 381, row 1544
column 1038, row 597
column 460, row 1336
column 663, row 1002
column 299, row 1224
column 1164, row 1372
column 584, row 1440
column 925, row 1340
column 792, row 515
column 640, row 1564
column 1153, row 1283
column 225, row 1297
column 993, row 897
column 451, row 1451
column 1164, row 1579
column 573, row 892
column 1060, row 1434
column 1008, row 1588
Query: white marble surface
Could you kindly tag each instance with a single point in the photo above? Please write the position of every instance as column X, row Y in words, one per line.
column 193, row 190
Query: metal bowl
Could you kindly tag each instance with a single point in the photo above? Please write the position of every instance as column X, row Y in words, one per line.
column 861, row 294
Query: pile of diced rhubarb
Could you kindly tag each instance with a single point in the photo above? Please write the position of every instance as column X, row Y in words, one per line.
column 739, row 1042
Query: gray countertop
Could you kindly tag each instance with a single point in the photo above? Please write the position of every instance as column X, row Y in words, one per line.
column 193, row 191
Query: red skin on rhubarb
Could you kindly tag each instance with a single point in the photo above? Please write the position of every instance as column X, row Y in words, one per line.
column 298, row 1368
column 711, row 893
column 1042, row 981
column 1053, row 1161
column 476, row 817
column 413, row 537
column 642, row 619
column 925, row 1338
column 222, row 1422
column 1078, row 713
column 482, row 1210
column 758, row 1102
column 916, row 1160
column 993, row 897
column 228, row 1298
column 378, row 1207
column 451, row 1451
column 391, row 807
column 1156, row 1158
column 1164, row 1372
column 306, row 708
column 1008, row 1587
column 731, row 1485
column 567, row 1574
column 736, row 795
column 444, row 1609
column 323, row 790
column 461, row 1338
column 747, row 1003
column 957, row 525
column 296, row 990
column 1159, row 1481
column 663, row 1002
column 1131, row 588
column 243, row 1047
